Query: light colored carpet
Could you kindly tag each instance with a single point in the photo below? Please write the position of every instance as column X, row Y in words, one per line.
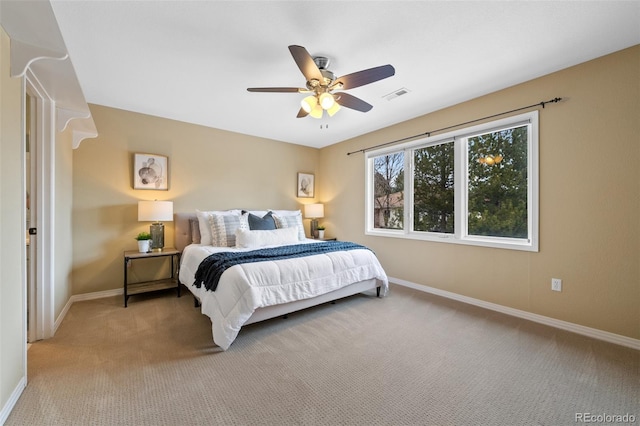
column 408, row 359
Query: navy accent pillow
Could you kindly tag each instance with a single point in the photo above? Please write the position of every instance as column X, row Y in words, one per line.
column 264, row 223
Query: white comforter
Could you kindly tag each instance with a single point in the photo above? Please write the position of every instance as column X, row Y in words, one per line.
column 244, row 288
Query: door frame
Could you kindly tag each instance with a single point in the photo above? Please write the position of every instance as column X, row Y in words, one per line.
column 41, row 304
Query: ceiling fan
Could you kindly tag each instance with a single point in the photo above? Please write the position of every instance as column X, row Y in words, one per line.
column 322, row 85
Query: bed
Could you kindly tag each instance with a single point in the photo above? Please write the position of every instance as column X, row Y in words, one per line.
column 252, row 292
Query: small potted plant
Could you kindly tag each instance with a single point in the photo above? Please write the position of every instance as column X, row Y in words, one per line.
column 320, row 231
column 144, row 242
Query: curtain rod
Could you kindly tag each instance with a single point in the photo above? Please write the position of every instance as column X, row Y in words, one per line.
column 542, row 104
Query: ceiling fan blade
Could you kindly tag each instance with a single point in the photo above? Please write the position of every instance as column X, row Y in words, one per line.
column 277, row 89
column 350, row 101
column 305, row 63
column 302, row 113
column 363, row 77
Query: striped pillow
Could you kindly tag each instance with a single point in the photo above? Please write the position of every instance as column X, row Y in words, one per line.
column 205, row 227
column 291, row 222
column 223, row 229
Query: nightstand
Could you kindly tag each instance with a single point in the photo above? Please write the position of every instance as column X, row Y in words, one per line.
column 327, row 239
column 154, row 285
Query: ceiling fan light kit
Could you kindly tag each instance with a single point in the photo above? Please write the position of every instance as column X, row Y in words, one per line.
column 308, row 103
column 321, row 83
column 316, row 111
column 326, row 100
column 334, row 108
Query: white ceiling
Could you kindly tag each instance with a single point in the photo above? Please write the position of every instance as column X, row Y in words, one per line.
column 193, row 60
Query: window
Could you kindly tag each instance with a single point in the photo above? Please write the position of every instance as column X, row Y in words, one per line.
column 434, row 188
column 497, row 183
column 388, row 190
column 475, row 186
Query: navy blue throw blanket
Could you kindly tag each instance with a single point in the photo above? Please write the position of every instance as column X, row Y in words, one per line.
column 211, row 268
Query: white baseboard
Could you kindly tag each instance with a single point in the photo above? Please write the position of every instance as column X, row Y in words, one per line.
column 552, row 322
column 63, row 313
column 96, row 295
column 13, row 399
column 541, row 319
column 80, row 298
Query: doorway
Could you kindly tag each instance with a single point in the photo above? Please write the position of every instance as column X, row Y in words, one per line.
column 31, row 240
column 38, row 119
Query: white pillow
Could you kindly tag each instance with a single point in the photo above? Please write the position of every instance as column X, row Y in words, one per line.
column 205, row 227
column 257, row 212
column 285, row 212
column 273, row 237
column 290, row 220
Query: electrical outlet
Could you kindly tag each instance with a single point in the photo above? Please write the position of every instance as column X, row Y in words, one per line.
column 556, row 284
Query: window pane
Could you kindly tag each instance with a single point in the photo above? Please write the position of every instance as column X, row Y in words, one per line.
column 497, row 202
column 388, row 187
column 433, row 196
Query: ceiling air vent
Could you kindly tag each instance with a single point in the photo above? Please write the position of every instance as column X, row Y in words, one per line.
column 396, row 93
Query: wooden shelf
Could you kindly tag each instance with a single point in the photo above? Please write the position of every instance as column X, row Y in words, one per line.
column 144, row 287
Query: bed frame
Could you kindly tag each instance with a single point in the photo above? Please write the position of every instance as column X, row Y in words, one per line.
column 187, row 230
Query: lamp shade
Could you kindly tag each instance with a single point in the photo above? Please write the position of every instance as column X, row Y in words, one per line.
column 335, row 108
column 316, row 111
column 155, row 211
column 308, row 103
column 314, row 210
column 326, row 100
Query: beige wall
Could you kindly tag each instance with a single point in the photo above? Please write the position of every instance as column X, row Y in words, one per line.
column 12, row 237
column 589, row 202
column 589, row 187
column 208, row 169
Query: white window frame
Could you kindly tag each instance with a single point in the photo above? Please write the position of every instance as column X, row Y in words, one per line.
column 460, row 235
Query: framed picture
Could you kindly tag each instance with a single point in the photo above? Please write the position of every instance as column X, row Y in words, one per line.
column 150, row 171
column 305, row 185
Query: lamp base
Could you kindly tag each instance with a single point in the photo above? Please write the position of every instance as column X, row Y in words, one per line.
column 314, row 228
column 157, row 236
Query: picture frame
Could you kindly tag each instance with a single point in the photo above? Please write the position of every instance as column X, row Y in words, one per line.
column 150, row 171
column 305, row 187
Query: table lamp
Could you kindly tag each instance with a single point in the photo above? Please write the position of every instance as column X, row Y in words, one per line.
column 156, row 211
column 314, row 211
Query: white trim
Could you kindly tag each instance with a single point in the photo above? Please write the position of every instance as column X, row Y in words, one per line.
column 79, row 136
column 64, row 116
column 13, row 399
column 45, row 180
column 83, row 297
column 63, row 313
column 23, row 219
column 82, row 127
column 23, row 56
column 58, row 77
column 46, row 225
column 541, row 319
column 96, row 295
